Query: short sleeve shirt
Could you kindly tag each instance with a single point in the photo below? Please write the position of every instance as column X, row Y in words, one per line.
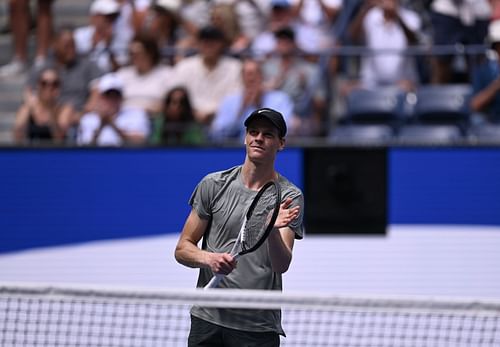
column 483, row 75
column 223, row 199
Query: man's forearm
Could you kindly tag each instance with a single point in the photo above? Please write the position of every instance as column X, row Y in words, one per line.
column 190, row 255
column 279, row 252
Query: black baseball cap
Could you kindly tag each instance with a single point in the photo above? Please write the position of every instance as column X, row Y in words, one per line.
column 273, row 116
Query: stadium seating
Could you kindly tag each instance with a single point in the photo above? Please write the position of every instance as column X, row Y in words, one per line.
column 361, row 134
column 430, row 134
column 443, row 105
column 375, row 106
column 487, row 134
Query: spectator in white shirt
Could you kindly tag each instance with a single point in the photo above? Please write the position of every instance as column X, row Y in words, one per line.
column 98, row 40
column 384, row 25
column 111, row 124
column 209, row 75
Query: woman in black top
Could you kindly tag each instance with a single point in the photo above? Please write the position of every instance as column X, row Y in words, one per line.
column 38, row 118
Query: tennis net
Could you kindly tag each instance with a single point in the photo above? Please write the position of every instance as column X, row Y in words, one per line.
column 52, row 315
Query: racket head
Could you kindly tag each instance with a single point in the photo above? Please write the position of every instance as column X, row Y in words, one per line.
column 260, row 217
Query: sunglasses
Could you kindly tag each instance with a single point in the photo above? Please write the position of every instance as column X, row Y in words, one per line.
column 50, row 83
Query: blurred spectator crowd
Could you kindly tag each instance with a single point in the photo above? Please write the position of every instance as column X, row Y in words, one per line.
column 188, row 72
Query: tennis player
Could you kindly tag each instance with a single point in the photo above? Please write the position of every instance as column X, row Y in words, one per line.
column 219, row 203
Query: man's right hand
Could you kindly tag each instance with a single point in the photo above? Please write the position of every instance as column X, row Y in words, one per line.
column 221, row 263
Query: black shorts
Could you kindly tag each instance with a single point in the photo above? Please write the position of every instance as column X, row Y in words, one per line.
column 207, row 334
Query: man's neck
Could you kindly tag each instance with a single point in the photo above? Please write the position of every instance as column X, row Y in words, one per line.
column 210, row 63
column 254, row 176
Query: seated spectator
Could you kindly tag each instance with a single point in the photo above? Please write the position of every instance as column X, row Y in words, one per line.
column 384, row 25
column 166, row 22
column 176, row 125
column 146, row 81
column 315, row 19
column 163, row 21
column 486, row 80
column 209, row 75
column 193, row 15
column 98, row 40
column 311, row 20
column 112, row 124
column 288, row 71
column 39, row 117
column 453, row 22
column 75, row 74
column 228, row 122
column 224, row 17
column 280, row 16
column 251, row 15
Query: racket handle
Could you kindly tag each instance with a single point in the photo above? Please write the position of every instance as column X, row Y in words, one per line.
column 214, row 282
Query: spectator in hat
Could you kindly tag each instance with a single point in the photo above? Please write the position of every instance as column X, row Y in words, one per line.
column 208, row 75
column 486, row 80
column 98, row 40
column 111, row 124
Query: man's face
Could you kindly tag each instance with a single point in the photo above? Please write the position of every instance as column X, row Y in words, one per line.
column 251, row 75
column 211, row 48
column 110, row 103
column 285, row 46
column 262, row 140
column 64, row 47
column 103, row 24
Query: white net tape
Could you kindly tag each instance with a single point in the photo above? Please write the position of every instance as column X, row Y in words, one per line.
column 39, row 315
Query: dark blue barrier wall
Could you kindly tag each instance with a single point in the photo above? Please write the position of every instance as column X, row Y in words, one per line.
column 444, row 186
column 57, row 196
column 51, row 196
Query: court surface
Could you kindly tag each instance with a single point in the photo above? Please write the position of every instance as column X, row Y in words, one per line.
column 410, row 260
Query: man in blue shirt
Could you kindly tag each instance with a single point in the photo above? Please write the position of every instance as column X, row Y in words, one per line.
column 486, row 79
column 229, row 119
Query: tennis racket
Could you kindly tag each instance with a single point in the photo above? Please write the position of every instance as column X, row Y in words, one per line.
column 258, row 223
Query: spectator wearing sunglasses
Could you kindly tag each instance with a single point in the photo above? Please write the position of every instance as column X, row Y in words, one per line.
column 39, row 118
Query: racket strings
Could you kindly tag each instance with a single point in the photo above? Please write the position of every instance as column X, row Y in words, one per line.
column 260, row 219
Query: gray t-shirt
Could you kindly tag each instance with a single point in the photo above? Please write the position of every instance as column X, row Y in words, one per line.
column 223, row 199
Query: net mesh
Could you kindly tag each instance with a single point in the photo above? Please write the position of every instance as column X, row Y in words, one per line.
column 78, row 316
column 261, row 216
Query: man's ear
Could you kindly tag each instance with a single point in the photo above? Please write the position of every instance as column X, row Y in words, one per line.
column 282, row 145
